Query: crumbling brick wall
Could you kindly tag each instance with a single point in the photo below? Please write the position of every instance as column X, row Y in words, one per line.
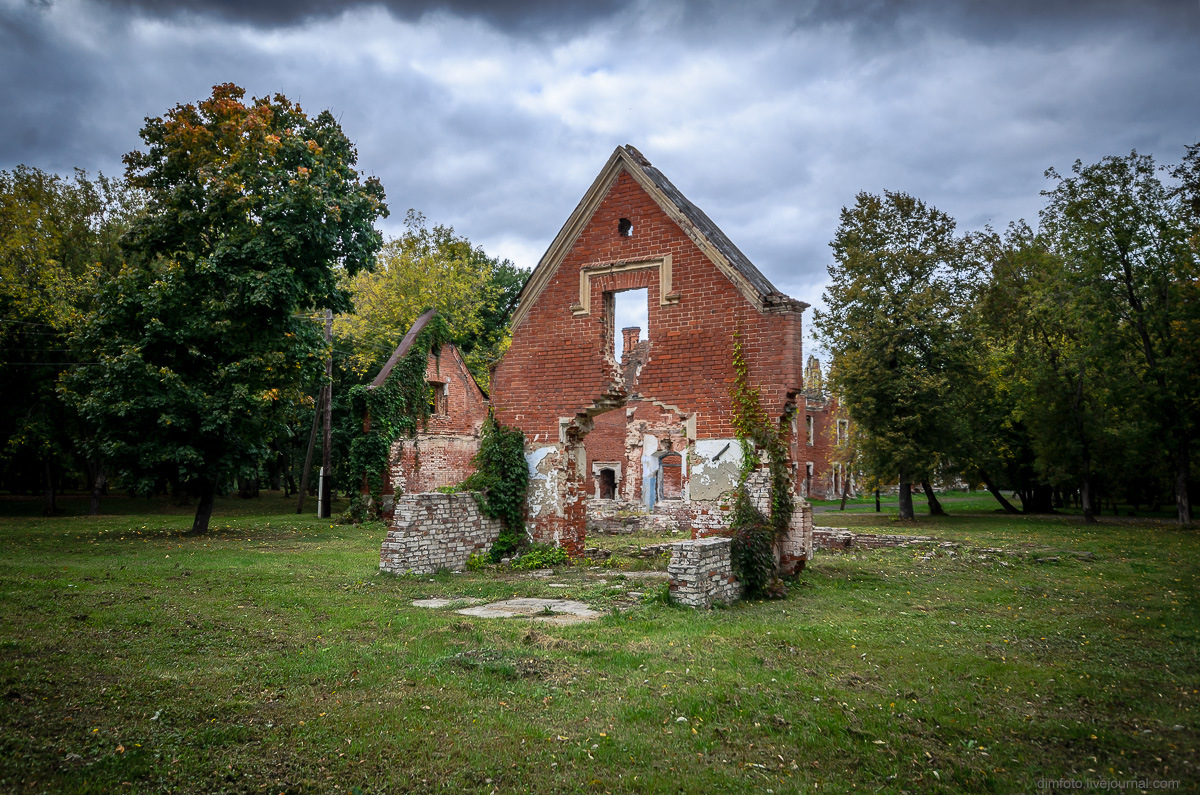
column 560, row 363
column 560, row 375
column 436, row 531
column 440, row 455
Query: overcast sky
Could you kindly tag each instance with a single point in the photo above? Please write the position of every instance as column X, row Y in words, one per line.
column 495, row 117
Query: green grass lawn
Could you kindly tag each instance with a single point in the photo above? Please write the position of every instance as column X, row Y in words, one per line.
column 271, row 656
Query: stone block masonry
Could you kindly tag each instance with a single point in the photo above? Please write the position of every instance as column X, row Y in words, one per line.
column 701, row 573
column 436, row 531
column 834, row 539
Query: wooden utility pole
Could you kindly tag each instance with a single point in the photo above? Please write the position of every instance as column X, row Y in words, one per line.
column 312, row 442
column 324, row 501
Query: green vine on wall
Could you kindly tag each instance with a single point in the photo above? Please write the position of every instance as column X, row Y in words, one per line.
column 398, row 408
column 754, row 535
column 501, row 478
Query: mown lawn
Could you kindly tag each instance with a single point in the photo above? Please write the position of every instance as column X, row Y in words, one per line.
column 271, row 656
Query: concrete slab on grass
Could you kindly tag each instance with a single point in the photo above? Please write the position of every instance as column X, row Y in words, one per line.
column 550, row 611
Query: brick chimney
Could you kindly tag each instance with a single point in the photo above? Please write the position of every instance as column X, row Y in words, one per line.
column 630, row 339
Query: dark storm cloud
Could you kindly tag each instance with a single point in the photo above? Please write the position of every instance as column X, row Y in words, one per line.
column 527, row 15
column 1000, row 20
column 41, row 93
column 768, row 115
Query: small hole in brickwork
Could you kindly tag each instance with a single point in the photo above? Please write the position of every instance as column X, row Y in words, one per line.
column 625, row 228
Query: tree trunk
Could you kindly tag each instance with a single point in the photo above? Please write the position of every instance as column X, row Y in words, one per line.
column 877, row 508
column 99, row 483
column 995, row 492
column 845, row 490
column 1040, row 499
column 1183, row 501
column 51, row 508
column 906, row 504
column 207, row 491
column 1087, row 499
column 935, row 507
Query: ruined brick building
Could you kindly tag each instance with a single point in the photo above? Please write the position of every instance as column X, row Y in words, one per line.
column 440, row 455
column 652, row 428
column 822, row 477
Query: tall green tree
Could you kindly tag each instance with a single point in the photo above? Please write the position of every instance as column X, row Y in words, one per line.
column 58, row 237
column 1058, row 395
column 254, row 209
column 1127, row 241
column 891, row 323
column 431, row 267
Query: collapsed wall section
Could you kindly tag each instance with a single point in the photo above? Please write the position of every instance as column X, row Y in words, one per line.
column 436, row 531
column 428, row 462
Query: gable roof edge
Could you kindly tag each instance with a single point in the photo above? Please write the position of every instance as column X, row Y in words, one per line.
column 576, row 221
column 699, row 228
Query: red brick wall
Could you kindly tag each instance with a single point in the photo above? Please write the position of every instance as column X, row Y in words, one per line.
column 606, row 442
column 466, row 406
column 557, row 364
column 821, row 453
column 441, row 454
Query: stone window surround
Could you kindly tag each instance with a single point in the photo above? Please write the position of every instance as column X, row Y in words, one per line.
column 615, row 467
column 665, row 295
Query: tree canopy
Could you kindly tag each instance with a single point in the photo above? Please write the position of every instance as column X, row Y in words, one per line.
column 58, row 240
column 891, row 324
column 431, row 267
column 254, row 210
column 1065, row 359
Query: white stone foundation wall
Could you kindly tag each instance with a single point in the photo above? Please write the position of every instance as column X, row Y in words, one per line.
column 435, row 531
column 834, row 538
column 701, row 573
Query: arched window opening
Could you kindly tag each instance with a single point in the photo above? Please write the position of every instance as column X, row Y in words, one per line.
column 670, row 483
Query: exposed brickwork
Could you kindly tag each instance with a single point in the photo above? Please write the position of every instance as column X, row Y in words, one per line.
column 820, row 408
column 559, row 363
column 430, row 461
column 701, row 573
column 464, row 407
column 440, row 455
column 561, row 384
column 436, row 531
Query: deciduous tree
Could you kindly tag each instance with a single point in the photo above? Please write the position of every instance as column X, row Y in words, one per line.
column 891, row 325
column 254, row 210
column 1126, row 240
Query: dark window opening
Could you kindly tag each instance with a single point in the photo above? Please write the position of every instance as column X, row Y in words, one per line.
column 608, row 484
column 625, row 227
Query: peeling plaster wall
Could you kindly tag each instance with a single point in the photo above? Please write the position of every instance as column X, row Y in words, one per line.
column 560, row 363
column 714, row 466
column 545, row 476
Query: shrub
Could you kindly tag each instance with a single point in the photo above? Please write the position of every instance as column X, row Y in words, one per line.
column 540, row 556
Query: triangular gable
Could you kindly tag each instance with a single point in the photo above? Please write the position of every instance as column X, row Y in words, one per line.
column 406, row 344
column 707, row 236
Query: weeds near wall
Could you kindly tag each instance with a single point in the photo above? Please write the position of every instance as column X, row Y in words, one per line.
column 502, row 479
column 754, row 535
column 397, row 408
column 541, row 556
